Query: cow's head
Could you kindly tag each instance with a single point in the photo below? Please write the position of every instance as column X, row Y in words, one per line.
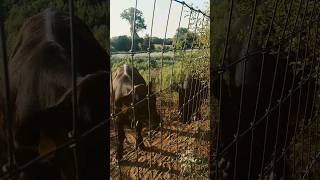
column 55, row 126
column 145, row 105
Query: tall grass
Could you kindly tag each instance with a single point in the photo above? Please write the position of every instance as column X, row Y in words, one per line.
column 166, row 67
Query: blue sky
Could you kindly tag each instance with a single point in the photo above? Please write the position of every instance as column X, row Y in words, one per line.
column 119, row 26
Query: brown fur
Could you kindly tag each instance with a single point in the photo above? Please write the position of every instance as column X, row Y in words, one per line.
column 122, row 97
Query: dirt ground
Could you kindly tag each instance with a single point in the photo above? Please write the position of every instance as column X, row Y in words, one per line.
column 177, row 151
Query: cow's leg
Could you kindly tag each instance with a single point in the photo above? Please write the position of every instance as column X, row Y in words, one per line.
column 139, row 140
column 121, row 135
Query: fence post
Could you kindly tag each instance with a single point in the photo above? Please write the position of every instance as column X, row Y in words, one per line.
column 7, row 104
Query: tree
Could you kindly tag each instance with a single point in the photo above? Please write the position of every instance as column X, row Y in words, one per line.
column 120, row 43
column 128, row 14
column 184, row 38
column 145, row 43
column 156, row 40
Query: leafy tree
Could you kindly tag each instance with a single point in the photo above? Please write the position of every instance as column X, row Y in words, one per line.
column 156, row 40
column 184, row 38
column 120, row 43
column 145, row 43
column 128, row 14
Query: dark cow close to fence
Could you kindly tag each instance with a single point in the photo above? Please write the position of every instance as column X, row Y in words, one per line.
column 267, row 93
column 192, row 93
column 277, row 121
column 41, row 98
column 124, row 96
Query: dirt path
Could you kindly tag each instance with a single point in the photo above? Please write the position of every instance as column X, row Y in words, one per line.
column 179, row 151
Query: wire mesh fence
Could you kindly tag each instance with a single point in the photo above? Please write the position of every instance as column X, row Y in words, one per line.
column 173, row 141
column 266, row 61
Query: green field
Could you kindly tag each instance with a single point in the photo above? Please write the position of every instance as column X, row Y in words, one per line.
column 164, row 67
column 170, row 68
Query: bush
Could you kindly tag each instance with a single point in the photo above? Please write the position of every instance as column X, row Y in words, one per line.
column 120, row 43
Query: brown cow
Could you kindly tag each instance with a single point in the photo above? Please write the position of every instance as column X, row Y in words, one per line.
column 40, row 87
column 122, row 97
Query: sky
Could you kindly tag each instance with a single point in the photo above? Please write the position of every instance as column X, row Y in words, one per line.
column 119, row 26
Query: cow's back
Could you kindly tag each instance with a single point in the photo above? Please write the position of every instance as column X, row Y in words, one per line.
column 122, row 83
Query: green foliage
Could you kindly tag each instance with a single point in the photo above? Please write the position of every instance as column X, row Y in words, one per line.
column 123, row 43
column 197, row 61
column 285, row 26
column 159, row 64
column 128, row 14
column 184, row 38
column 157, row 40
column 145, row 43
column 120, row 43
column 281, row 27
column 94, row 13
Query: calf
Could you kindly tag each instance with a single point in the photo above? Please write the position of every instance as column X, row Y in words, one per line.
column 124, row 96
column 192, row 93
column 41, row 103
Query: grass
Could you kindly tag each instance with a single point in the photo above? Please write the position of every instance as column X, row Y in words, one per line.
column 163, row 68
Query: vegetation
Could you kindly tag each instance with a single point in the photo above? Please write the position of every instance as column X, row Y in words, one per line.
column 131, row 13
column 120, row 43
column 93, row 12
column 123, row 43
column 157, row 60
column 283, row 24
column 184, row 38
column 167, row 67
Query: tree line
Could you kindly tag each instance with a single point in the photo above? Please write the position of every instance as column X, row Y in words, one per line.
column 183, row 36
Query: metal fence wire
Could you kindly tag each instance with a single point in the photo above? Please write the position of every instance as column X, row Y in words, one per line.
column 11, row 169
column 265, row 84
column 178, row 146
